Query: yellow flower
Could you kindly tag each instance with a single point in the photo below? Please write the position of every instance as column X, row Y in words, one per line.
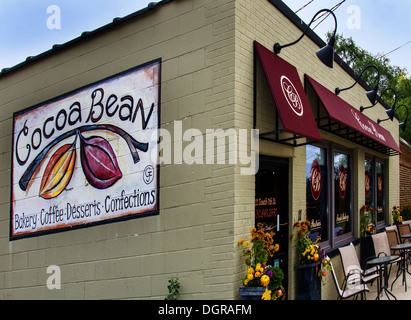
column 253, row 230
column 245, row 282
column 276, row 247
column 266, row 295
column 265, row 280
column 240, row 242
column 250, row 277
column 257, row 274
column 247, row 244
column 258, row 266
column 250, row 270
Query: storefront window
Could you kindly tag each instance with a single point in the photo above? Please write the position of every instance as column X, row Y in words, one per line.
column 369, row 183
column 375, row 192
column 342, row 194
column 329, row 193
column 316, row 190
column 379, row 168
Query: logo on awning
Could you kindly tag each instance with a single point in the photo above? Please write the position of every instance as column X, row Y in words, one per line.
column 292, row 96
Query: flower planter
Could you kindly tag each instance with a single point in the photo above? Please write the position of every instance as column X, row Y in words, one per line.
column 307, row 282
column 251, row 293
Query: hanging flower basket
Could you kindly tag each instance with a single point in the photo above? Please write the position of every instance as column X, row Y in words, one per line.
column 262, row 282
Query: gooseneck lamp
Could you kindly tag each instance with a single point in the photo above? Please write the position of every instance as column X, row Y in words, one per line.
column 391, row 113
column 403, row 125
column 326, row 53
column 372, row 94
column 379, row 98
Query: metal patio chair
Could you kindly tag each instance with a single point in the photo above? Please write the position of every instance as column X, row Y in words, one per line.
column 349, row 291
column 349, row 260
column 403, row 229
column 382, row 248
column 394, row 228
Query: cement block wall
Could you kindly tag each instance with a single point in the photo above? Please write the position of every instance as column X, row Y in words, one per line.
column 206, row 47
column 192, row 237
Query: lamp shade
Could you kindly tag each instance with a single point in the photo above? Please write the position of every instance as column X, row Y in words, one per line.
column 403, row 125
column 372, row 96
column 326, row 53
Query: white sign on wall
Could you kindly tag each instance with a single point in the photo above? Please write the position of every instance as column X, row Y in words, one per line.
column 87, row 157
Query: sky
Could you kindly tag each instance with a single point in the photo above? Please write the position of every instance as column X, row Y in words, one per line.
column 30, row 27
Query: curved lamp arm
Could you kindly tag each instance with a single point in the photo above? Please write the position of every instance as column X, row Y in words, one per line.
column 278, row 47
column 372, row 94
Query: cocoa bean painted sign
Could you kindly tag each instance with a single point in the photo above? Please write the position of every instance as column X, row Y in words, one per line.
column 89, row 156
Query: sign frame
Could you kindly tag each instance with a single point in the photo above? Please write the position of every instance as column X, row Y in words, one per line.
column 148, row 151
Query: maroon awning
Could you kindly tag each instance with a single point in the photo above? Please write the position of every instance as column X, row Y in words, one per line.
column 350, row 123
column 288, row 94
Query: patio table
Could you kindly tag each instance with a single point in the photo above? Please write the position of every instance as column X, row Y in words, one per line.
column 403, row 248
column 382, row 263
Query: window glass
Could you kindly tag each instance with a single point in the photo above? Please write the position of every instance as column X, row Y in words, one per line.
column 379, row 168
column 369, row 181
column 342, row 194
column 316, row 191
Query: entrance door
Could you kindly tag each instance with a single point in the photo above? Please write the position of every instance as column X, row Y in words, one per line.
column 271, row 206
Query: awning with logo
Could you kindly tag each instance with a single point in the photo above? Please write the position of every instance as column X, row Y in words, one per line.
column 346, row 121
column 291, row 102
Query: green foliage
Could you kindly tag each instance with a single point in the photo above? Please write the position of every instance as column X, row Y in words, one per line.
column 390, row 76
column 173, row 289
column 277, row 277
column 406, row 211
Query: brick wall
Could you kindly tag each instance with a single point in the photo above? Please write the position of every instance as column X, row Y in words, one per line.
column 405, row 172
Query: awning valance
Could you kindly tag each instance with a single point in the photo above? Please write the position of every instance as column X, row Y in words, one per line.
column 348, row 122
column 289, row 97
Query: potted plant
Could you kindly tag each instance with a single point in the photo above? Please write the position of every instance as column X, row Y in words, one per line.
column 312, row 265
column 262, row 281
column 367, row 228
column 397, row 215
column 366, row 222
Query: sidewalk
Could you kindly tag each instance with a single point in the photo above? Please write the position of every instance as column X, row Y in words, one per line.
column 398, row 289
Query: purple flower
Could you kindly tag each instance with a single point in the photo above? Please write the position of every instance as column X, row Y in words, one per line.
column 270, row 273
